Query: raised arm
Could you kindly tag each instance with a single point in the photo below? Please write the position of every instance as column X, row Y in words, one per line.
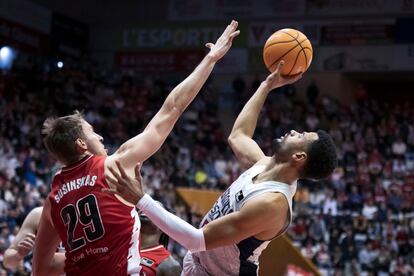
column 141, row 147
column 244, row 147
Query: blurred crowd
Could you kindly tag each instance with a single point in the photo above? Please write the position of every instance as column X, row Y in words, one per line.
column 361, row 220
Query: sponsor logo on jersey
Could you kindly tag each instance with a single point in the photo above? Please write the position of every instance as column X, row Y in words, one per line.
column 147, row 262
column 239, row 196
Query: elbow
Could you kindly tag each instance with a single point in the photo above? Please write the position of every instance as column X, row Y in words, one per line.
column 232, row 139
column 173, row 107
column 197, row 243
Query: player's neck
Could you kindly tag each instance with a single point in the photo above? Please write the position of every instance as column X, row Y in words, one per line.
column 77, row 159
column 280, row 172
column 148, row 241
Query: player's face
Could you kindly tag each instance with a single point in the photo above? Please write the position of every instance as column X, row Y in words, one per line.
column 294, row 140
column 93, row 140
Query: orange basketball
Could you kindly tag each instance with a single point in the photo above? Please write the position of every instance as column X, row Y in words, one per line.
column 291, row 46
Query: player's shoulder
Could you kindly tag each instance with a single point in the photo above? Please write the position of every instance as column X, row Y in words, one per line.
column 271, row 201
column 36, row 211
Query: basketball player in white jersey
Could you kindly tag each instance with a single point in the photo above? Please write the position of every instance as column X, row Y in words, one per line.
column 256, row 208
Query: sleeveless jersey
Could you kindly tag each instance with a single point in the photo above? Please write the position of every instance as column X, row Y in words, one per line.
column 151, row 259
column 241, row 258
column 100, row 233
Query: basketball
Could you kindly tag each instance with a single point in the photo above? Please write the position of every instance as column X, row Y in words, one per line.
column 291, row 46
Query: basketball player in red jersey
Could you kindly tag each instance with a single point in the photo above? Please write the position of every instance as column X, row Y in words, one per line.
column 100, row 232
column 155, row 258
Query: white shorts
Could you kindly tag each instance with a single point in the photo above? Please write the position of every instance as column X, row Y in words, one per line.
column 192, row 266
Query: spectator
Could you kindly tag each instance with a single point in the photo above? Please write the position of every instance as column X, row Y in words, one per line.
column 399, row 148
column 369, row 209
column 367, row 257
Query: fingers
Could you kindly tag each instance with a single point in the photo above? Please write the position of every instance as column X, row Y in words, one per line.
column 279, row 67
column 114, row 173
column 234, row 34
column 112, row 180
column 292, row 79
column 233, row 25
column 276, row 72
column 230, row 28
column 26, row 244
column 28, row 241
column 31, row 235
column 209, row 45
column 121, row 169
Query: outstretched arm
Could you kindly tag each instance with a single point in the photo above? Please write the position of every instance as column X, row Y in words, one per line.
column 244, row 147
column 263, row 214
column 141, row 147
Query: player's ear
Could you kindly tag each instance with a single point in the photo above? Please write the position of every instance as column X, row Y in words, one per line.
column 299, row 158
column 80, row 145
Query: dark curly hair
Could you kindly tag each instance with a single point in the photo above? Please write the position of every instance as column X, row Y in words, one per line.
column 322, row 159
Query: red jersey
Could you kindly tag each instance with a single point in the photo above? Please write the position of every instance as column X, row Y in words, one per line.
column 151, row 259
column 100, row 233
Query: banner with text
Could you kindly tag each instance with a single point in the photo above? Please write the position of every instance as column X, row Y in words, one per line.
column 159, row 61
column 357, row 34
column 235, row 61
column 176, row 36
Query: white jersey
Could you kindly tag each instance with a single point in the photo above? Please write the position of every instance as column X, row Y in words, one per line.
column 241, row 258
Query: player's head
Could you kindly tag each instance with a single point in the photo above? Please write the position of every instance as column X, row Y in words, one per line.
column 312, row 153
column 69, row 137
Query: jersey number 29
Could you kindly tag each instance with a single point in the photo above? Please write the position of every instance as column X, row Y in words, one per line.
column 87, row 213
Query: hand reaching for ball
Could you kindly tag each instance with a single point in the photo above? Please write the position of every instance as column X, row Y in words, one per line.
column 223, row 44
column 275, row 79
